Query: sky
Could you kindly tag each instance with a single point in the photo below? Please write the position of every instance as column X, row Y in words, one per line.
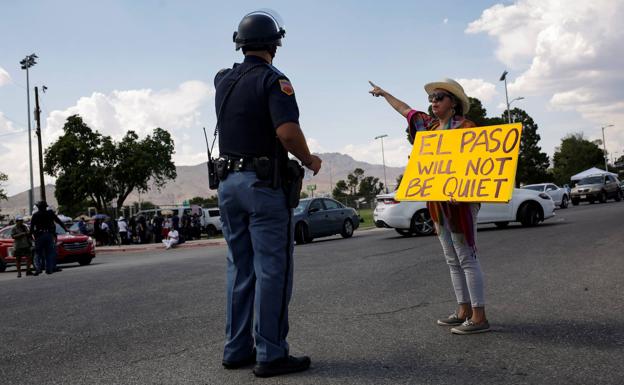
column 137, row 65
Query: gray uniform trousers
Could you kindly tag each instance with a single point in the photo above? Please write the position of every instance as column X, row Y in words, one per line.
column 257, row 225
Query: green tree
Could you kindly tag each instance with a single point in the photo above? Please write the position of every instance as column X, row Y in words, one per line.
column 205, row 202
column 341, row 190
column 82, row 161
column 140, row 162
column 369, row 187
column 532, row 162
column 89, row 165
column 353, row 180
column 575, row 154
column 478, row 114
column 3, row 178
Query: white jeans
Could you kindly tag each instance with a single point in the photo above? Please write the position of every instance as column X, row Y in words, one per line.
column 169, row 242
column 466, row 273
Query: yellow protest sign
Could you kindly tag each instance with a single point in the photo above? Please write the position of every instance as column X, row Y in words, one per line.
column 468, row 164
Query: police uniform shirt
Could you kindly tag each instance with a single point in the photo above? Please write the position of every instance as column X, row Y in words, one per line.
column 259, row 103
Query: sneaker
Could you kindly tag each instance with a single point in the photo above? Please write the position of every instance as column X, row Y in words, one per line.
column 281, row 366
column 452, row 320
column 469, row 327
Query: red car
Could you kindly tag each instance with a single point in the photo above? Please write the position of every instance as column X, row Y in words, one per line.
column 69, row 248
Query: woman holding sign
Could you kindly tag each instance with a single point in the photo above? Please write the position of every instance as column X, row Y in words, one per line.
column 456, row 223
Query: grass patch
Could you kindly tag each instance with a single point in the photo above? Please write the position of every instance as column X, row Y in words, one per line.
column 367, row 216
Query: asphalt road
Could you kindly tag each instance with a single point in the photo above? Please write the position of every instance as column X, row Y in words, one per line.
column 364, row 309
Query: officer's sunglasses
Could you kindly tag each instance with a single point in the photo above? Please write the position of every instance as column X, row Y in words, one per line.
column 438, row 96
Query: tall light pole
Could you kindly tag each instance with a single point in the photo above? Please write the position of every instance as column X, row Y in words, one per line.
column 604, row 145
column 503, row 78
column 26, row 63
column 383, row 159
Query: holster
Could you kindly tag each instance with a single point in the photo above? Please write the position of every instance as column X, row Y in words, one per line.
column 292, row 182
column 222, row 168
column 213, row 179
column 263, row 167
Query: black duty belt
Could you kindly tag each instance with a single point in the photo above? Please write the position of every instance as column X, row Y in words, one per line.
column 236, row 164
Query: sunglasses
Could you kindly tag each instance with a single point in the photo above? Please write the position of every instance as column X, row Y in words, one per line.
column 438, row 96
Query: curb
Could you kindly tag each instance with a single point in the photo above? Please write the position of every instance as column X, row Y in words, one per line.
column 154, row 246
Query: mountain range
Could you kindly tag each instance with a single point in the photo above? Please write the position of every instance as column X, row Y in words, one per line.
column 192, row 181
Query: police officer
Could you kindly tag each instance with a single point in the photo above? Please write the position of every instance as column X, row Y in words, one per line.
column 44, row 229
column 258, row 122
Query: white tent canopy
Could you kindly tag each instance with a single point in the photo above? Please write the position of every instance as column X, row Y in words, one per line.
column 590, row 172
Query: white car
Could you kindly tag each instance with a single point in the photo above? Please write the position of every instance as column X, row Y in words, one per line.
column 560, row 195
column 211, row 221
column 412, row 218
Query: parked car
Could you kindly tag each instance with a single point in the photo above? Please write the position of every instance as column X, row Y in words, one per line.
column 596, row 188
column 70, row 248
column 558, row 194
column 412, row 218
column 211, row 221
column 322, row 217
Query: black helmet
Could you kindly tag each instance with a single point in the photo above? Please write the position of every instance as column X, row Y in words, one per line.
column 259, row 28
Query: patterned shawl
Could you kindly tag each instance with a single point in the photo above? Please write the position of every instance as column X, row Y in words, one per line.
column 454, row 217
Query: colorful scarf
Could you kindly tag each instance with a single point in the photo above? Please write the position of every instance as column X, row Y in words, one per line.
column 454, row 217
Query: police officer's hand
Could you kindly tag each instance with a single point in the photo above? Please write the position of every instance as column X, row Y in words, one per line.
column 314, row 164
column 376, row 91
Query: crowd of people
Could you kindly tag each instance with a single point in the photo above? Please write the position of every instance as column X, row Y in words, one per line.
column 141, row 230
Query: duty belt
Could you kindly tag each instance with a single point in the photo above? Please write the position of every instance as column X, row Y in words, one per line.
column 236, row 164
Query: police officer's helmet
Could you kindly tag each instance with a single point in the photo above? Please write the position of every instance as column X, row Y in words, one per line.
column 259, row 28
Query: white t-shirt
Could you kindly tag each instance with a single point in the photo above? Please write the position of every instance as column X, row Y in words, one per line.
column 104, row 226
column 173, row 235
column 123, row 226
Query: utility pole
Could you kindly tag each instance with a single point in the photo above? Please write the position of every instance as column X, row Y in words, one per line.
column 604, row 145
column 383, row 159
column 38, row 131
column 26, row 63
column 504, row 78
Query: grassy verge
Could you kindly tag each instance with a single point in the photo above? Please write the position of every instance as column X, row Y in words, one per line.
column 367, row 216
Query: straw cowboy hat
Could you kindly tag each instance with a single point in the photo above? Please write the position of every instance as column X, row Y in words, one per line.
column 453, row 87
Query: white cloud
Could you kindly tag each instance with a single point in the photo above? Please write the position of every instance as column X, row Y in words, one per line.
column 5, row 78
column 315, row 146
column 479, row 88
column 177, row 111
column 445, row 21
column 568, row 51
column 138, row 110
column 14, row 156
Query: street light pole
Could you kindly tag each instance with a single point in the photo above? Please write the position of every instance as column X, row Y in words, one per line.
column 26, row 63
column 42, row 192
column 504, row 78
column 604, row 145
column 383, row 159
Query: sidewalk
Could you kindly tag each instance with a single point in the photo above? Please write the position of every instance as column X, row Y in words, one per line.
column 155, row 246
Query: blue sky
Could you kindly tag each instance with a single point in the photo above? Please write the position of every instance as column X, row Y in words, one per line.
column 137, row 64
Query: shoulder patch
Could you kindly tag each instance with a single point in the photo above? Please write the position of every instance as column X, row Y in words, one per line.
column 286, row 87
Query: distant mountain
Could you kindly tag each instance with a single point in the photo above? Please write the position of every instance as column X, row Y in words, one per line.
column 192, row 181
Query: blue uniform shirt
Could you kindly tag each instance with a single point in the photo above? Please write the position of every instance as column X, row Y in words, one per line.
column 260, row 102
